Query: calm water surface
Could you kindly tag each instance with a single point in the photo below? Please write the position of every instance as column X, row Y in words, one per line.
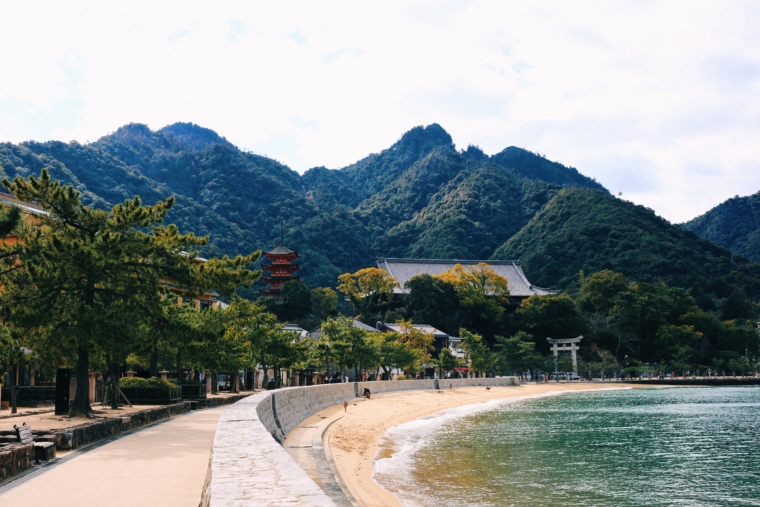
column 689, row 446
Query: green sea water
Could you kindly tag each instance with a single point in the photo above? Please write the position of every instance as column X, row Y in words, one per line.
column 632, row 447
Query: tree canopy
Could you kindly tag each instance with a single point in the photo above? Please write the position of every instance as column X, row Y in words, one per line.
column 88, row 277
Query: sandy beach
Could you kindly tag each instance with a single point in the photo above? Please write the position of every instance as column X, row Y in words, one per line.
column 354, row 440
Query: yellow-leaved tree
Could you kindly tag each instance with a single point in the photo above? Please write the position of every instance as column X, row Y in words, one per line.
column 416, row 339
column 482, row 294
column 474, row 283
column 369, row 290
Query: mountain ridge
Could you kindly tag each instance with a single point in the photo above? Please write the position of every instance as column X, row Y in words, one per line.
column 420, row 197
column 733, row 224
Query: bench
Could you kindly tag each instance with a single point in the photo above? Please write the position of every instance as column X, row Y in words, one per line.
column 43, row 450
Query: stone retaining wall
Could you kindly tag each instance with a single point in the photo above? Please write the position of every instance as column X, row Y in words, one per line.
column 15, row 458
column 248, row 465
column 217, row 401
column 90, row 432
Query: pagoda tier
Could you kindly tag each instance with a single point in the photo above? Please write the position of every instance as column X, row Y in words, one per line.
column 277, row 282
column 280, row 270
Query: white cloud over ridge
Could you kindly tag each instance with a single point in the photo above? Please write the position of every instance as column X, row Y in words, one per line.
column 657, row 100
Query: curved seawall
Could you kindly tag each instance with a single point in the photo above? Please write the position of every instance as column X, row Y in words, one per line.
column 249, row 466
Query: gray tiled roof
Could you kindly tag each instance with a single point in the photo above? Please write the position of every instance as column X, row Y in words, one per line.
column 405, row 269
column 317, row 331
column 281, row 250
column 425, row 328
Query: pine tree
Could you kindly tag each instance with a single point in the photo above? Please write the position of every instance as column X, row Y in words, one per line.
column 88, row 277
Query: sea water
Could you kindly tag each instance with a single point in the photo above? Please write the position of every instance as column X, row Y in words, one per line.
column 626, row 447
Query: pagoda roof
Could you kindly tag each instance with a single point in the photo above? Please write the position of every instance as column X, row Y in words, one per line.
column 281, row 250
column 404, row 270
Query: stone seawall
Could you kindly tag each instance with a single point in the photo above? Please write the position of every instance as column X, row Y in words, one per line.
column 248, row 465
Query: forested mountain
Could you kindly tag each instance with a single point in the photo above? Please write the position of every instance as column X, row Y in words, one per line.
column 590, row 230
column 420, row 197
column 734, row 224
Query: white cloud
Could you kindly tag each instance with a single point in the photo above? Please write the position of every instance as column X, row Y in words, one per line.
column 657, row 100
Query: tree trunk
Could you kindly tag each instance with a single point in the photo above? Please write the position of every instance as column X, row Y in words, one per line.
column 12, row 377
column 179, row 368
column 265, row 377
column 81, row 404
column 114, row 373
column 154, row 359
column 214, row 382
column 233, row 386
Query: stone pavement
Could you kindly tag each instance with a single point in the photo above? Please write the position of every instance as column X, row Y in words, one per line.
column 164, row 464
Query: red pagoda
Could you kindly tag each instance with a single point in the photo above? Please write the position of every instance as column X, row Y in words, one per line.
column 281, row 268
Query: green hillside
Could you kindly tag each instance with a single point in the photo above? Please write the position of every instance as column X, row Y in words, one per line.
column 591, row 230
column 734, row 224
column 420, row 197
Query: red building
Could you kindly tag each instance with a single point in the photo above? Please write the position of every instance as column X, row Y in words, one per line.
column 280, row 270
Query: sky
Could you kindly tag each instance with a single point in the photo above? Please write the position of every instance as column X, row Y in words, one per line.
column 658, row 100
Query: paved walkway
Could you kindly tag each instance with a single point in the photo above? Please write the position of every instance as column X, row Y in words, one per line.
column 164, row 464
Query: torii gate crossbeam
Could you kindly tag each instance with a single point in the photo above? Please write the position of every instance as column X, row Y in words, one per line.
column 566, row 345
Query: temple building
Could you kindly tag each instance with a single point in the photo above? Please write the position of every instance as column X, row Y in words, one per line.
column 404, row 270
column 281, row 269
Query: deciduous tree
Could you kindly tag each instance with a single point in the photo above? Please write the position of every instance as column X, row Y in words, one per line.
column 479, row 355
column 369, row 290
column 552, row 317
column 324, row 302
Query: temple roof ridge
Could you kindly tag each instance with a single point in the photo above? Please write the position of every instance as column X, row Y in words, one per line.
column 404, row 269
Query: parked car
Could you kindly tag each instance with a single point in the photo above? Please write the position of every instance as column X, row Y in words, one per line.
column 558, row 375
column 574, row 376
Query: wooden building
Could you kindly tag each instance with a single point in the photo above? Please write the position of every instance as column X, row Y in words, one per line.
column 404, row 270
column 281, row 269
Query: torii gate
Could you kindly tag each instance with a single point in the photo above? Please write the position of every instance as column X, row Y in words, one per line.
column 566, row 345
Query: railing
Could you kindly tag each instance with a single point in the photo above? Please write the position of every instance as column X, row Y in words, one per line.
column 193, row 392
column 152, row 395
column 30, row 396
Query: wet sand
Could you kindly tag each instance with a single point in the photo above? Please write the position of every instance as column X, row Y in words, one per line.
column 355, row 439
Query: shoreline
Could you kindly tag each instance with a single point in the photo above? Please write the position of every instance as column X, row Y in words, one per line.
column 355, row 441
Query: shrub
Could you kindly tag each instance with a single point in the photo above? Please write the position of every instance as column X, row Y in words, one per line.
column 145, row 382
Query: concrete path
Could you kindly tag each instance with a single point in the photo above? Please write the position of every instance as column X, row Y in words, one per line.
column 164, row 464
